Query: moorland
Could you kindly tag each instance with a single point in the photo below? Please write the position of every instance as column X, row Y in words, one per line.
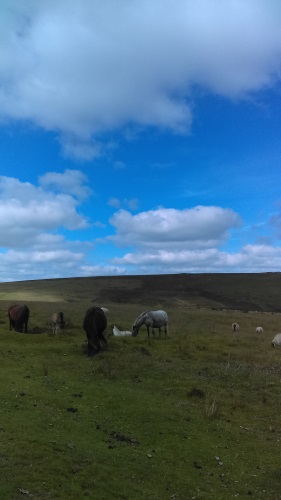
column 196, row 416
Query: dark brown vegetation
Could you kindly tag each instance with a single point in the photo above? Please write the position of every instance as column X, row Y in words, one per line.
column 247, row 292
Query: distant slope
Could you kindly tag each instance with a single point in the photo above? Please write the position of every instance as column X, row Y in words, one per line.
column 255, row 292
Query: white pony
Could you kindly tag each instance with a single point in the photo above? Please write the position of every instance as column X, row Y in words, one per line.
column 259, row 329
column 153, row 319
column 235, row 327
column 121, row 333
column 276, row 342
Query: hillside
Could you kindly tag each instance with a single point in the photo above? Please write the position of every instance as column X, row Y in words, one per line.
column 247, row 292
column 200, row 409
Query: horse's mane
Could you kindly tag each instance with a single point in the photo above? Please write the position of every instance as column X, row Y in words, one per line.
column 140, row 316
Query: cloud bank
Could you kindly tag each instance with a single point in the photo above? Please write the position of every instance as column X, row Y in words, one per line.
column 197, row 227
column 38, row 222
column 88, row 67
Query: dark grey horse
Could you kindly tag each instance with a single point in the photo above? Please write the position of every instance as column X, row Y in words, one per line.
column 18, row 317
column 94, row 324
column 57, row 322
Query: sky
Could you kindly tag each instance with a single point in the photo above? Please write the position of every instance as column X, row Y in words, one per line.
column 139, row 137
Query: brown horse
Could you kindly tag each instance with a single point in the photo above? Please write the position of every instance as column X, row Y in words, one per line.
column 18, row 317
column 57, row 322
column 94, row 324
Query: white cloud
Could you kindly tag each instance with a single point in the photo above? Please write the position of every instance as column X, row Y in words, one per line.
column 164, row 240
column 18, row 265
column 31, row 221
column 187, row 241
column 114, row 202
column 198, row 227
column 102, row 270
column 72, row 182
column 251, row 258
column 58, row 262
column 117, row 203
column 82, row 68
column 132, row 203
column 28, row 212
column 79, row 149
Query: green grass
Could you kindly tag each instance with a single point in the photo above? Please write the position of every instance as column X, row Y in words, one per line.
column 196, row 416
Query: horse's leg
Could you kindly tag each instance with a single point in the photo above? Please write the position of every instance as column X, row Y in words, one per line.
column 103, row 338
column 12, row 324
column 148, row 332
column 93, row 344
column 92, row 350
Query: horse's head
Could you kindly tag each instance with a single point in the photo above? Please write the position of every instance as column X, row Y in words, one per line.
column 135, row 331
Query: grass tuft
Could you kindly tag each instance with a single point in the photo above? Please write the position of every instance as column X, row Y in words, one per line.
column 212, row 408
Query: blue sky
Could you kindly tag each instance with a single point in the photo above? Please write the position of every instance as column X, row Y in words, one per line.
column 139, row 137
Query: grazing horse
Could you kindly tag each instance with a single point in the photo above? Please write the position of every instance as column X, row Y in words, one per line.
column 57, row 322
column 94, row 324
column 18, row 317
column 153, row 319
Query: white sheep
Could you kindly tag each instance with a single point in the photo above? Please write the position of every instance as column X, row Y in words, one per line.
column 259, row 329
column 235, row 327
column 276, row 342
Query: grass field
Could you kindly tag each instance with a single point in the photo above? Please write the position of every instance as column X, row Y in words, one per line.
column 196, row 416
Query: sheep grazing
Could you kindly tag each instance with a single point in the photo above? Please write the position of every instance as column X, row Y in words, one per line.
column 259, row 329
column 235, row 327
column 276, row 342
